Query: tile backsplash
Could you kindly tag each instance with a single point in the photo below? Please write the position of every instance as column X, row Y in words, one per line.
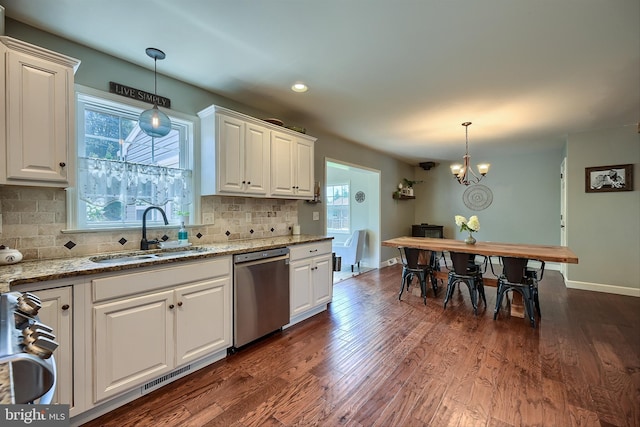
column 33, row 220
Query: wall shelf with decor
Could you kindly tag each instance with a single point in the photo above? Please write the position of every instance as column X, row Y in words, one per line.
column 402, row 197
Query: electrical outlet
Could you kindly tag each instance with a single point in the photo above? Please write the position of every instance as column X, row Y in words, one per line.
column 316, row 216
column 247, row 216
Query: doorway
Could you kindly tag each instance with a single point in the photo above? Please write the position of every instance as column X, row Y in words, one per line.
column 353, row 203
column 563, row 212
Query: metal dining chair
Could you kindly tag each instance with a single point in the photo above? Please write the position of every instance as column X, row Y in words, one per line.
column 516, row 276
column 417, row 262
column 465, row 270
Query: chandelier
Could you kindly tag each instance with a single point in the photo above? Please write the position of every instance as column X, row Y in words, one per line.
column 463, row 172
column 154, row 122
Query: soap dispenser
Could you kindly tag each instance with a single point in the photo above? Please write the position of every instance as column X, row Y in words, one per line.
column 183, row 236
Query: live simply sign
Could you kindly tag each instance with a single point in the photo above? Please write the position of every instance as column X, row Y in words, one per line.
column 140, row 95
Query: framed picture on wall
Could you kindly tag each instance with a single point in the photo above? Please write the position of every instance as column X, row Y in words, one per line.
column 600, row 179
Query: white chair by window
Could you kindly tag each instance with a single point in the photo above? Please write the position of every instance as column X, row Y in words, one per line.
column 351, row 251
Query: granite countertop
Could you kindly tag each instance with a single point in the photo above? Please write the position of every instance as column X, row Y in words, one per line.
column 43, row 270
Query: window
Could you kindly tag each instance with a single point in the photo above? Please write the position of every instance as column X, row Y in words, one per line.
column 338, row 208
column 121, row 171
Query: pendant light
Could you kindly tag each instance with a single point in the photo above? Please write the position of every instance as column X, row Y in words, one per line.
column 154, row 122
column 463, row 172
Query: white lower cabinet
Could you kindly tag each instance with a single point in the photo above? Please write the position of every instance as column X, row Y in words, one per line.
column 133, row 342
column 140, row 337
column 57, row 312
column 310, row 279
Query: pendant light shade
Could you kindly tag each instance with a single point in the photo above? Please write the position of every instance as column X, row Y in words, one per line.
column 154, row 122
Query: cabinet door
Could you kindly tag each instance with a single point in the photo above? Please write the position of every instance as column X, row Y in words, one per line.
column 38, row 119
column 133, row 342
column 203, row 319
column 322, row 280
column 304, row 168
column 256, row 166
column 230, row 154
column 300, row 286
column 57, row 312
column 282, row 179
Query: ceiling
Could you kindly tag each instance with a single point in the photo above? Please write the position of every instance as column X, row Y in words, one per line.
column 396, row 75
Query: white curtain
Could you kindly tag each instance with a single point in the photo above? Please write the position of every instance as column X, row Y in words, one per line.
column 104, row 181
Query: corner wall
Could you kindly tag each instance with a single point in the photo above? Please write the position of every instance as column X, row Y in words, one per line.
column 603, row 229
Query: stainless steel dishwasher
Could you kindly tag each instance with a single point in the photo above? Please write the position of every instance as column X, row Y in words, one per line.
column 260, row 294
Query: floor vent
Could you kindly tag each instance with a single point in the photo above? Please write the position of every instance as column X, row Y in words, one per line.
column 159, row 382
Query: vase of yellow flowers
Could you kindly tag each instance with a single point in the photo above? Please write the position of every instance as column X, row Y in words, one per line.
column 471, row 226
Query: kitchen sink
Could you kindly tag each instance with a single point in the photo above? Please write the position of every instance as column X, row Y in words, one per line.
column 176, row 253
column 169, row 253
column 122, row 258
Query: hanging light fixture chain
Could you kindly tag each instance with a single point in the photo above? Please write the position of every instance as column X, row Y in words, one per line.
column 155, row 78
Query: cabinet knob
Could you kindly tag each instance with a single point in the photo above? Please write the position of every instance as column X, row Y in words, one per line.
column 62, row 164
column 171, row 307
column 65, row 307
column 244, row 182
column 179, row 303
column 249, row 182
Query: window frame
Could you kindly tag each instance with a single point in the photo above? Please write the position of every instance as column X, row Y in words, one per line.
column 187, row 125
column 335, row 230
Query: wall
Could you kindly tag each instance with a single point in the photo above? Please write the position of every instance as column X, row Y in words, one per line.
column 526, row 196
column 604, row 228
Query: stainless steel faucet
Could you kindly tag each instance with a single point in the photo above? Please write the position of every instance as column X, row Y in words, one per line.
column 144, row 243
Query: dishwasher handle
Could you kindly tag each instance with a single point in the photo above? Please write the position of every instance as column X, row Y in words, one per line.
column 263, row 261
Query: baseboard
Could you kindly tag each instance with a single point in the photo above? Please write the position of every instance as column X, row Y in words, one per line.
column 389, row 262
column 599, row 287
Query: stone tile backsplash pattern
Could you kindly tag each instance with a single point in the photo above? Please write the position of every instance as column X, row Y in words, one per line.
column 33, row 220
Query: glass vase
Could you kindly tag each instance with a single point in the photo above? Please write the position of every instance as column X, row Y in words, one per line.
column 470, row 240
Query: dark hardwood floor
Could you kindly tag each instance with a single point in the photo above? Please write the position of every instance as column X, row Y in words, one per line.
column 373, row 360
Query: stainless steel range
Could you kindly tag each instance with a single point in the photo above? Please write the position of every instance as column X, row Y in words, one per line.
column 27, row 346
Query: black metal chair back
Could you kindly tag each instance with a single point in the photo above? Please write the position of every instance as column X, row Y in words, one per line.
column 410, row 257
column 416, row 262
column 514, row 269
column 516, row 277
column 464, row 269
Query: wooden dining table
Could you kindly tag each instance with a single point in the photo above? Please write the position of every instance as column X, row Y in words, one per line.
column 547, row 253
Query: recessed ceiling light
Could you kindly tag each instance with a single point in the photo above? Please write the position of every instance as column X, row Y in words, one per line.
column 299, row 87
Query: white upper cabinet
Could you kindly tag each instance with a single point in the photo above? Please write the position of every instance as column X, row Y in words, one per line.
column 38, row 115
column 238, row 157
column 235, row 156
column 291, row 166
